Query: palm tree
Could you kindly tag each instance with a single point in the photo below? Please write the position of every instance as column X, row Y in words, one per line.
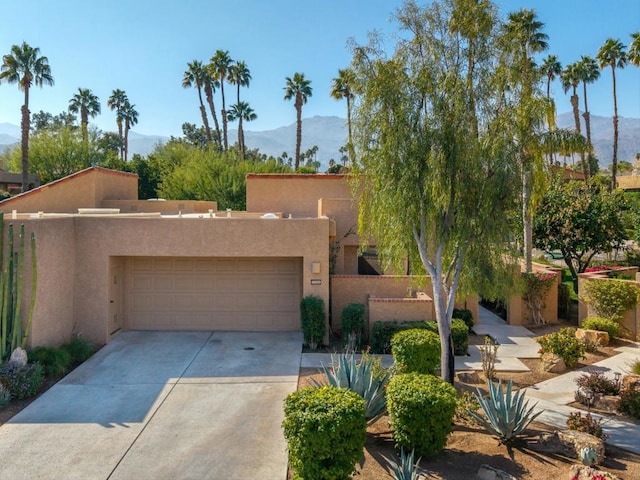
column 342, row 87
column 299, row 89
column 524, row 38
column 240, row 76
column 88, row 105
column 571, row 80
column 220, row 64
column 241, row 111
column 196, row 75
column 130, row 118
column 551, row 68
column 612, row 54
column 115, row 102
column 633, row 54
column 210, row 85
column 25, row 67
column 588, row 72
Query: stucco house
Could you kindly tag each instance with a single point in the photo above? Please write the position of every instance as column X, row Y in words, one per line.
column 108, row 262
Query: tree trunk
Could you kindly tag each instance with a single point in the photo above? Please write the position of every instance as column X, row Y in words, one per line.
column 526, row 218
column 241, row 137
column 126, row 141
column 84, row 126
column 447, row 358
column 224, row 116
column 205, row 120
column 119, row 123
column 25, row 140
column 298, row 130
column 209, row 94
column 614, row 163
column 350, row 148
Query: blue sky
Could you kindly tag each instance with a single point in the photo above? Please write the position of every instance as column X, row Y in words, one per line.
column 143, row 46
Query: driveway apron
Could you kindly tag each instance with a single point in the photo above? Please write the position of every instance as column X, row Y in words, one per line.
column 162, row 405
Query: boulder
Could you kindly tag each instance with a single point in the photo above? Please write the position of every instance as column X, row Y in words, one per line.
column 607, row 403
column 19, row 357
column 631, row 383
column 553, row 363
column 568, row 443
column 580, row 472
column 593, row 336
column 487, row 472
column 469, row 377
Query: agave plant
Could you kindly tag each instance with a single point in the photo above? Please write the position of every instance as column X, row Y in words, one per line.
column 507, row 414
column 406, row 469
column 589, row 456
column 362, row 378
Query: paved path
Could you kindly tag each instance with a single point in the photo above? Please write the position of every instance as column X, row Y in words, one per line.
column 162, row 405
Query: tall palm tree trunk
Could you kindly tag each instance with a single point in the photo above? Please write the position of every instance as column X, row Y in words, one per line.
column 25, row 140
column 587, row 123
column 224, row 116
column 298, row 131
column 576, row 118
column 126, row 141
column 209, row 95
column 119, row 123
column 526, row 218
column 351, row 149
column 614, row 164
column 205, row 120
column 241, row 137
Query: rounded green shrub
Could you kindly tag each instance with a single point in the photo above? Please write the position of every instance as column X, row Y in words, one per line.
column 421, row 409
column 352, row 319
column 611, row 298
column 416, row 350
column 326, row 431
column 312, row 316
column 465, row 315
column 460, row 335
column 79, row 349
column 56, row 362
column 602, row 325
column 563, row 343
column 22, row 381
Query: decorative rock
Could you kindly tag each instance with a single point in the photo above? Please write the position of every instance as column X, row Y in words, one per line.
column 553, row 363
column 593, row 336
column 574, row 441
column 581, row 472
column 631, row 382
column 568, row 443
column 487, row 472
column 469, row 377
column 608, row 403
column 19, row 356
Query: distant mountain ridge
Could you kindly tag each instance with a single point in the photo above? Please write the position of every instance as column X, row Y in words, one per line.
column 329, row 134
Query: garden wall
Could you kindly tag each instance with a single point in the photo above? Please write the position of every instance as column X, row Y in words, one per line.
column 518, row 313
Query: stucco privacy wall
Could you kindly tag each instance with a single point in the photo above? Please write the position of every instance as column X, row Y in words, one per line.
column 85, row 189
column 518, row 312
column 93, row 241
column 297, row 195
column 164, row 206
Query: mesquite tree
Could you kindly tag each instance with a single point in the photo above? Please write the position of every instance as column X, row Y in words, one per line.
column 434, row 171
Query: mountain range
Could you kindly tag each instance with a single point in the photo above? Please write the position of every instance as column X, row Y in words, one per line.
column 329, row 134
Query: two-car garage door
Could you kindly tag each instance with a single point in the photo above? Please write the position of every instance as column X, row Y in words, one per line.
column 183, row 293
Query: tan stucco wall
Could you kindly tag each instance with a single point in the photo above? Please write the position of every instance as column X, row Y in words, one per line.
column 629, row 182
column 297, row 195
column 77, row 292
column 164, row 207
column 518, row 313
column 85, row 189
column 400, row 309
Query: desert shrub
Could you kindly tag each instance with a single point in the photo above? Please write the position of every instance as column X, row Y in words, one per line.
column 352, row 321
column 312, row 316
column 597, row 382
column 22, row 381
column 602, row 325
column 421, row 409
column 586, row 424
column 460, row 335
column 611, row 298
column 563, row 343
column 55, row 362
column 467, row 402
column 79, row 349
column 416, row 350
column 488, row 356
column 325, row 430
column 635, row 367
column 5, row 395
column 465, row 315
column 630, row 402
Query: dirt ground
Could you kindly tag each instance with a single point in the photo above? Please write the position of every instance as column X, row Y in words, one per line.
column 470, row 447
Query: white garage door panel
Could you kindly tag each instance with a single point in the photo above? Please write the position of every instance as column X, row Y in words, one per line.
column 214, row 293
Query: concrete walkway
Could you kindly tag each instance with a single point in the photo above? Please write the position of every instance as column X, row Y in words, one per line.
column 162, row 405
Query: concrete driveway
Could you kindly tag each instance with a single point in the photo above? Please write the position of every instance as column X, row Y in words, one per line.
column 162, row 405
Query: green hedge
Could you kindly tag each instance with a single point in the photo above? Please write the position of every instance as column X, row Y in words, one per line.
column 55, row 361
column 326, row 431
column 611, row 298
column 416, row 350
column 382, row 333
column 465, row 315
column 421, row 409
column 312, row 316
column 602, row 325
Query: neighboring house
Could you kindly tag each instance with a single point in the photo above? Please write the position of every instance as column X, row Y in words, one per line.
column 109, row 262
column 12, row 182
